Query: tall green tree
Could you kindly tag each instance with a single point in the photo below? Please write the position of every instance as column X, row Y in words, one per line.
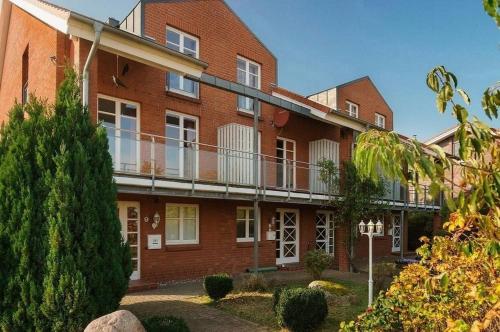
column 456, row 285
column 67, row 252
column 353, row 198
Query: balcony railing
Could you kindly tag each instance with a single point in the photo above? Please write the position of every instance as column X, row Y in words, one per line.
column 159, row 157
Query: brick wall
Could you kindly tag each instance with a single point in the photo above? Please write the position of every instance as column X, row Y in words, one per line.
column 364, row 93
column 43, row 42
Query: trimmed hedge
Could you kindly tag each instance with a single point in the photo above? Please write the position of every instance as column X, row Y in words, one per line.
column 165, row 324
column 300, row 309
column 218, row 286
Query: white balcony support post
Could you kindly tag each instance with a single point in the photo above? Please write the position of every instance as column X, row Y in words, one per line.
column 401, row 234
column 256, row 181
column 193, row 167
column 370, row 272
column 226, row 170
column 264, row 177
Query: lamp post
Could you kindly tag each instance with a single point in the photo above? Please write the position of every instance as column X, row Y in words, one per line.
column 370, row 229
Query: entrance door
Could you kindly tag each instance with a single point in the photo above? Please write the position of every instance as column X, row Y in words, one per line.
column 325, row 231
column 396, row 233
column 287, row 236
column 130, row 221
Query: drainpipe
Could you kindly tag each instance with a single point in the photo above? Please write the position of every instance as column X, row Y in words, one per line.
column 85, row 75
column 256, row 212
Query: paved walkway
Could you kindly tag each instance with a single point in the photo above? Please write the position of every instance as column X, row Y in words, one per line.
column 181, row 300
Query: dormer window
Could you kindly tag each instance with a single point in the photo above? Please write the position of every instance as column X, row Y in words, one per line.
column 182, row 42
column 380, row 120
column 352, row 109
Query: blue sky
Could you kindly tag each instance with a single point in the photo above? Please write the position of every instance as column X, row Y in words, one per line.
column 323, row 43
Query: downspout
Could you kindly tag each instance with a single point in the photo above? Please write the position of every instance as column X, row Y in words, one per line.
column 85, row 75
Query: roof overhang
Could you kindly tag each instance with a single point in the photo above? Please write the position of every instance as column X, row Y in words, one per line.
column 332, row 117
column 113, row 39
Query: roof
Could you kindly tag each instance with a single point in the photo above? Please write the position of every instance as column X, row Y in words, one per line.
column 113, row 39
column 442, row 135
column 353, row 82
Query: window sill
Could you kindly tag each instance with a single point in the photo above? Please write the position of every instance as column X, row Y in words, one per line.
column 248, row 115
column 247, row 244
column 182, row 96
column 182, row 247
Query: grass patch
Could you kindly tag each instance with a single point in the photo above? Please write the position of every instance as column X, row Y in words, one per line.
column 257, row 306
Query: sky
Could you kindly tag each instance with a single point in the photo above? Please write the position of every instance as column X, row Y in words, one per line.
column 322, row 43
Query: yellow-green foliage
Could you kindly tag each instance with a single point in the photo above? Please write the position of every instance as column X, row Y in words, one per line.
column 330, row 287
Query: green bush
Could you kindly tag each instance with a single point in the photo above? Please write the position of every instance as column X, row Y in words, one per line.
column 165, row 324
column 218, row 286
column 276, row 297
column 254, row 283
column 383, row 274
column 316, row 261
column 301, row 309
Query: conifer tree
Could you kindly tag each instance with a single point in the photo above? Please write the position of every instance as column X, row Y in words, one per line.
column 62, row 259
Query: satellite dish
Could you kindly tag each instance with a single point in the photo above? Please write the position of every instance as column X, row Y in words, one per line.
column 281, row 118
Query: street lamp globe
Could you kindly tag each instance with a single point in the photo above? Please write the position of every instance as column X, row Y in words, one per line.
column 362, row 227
column 371, row 227
column 380, row 227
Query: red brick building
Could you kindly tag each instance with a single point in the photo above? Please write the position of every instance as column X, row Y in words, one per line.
column 183, row 148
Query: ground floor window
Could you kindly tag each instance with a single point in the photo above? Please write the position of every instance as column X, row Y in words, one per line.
column 325, row 232
column 182, row 224
column 245, row 218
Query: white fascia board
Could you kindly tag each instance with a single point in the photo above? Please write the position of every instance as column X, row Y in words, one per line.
column 133, row 49
column 58, row 21
column 345, row 122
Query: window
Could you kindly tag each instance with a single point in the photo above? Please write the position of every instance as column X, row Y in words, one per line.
column 379, row 120
column 179, row 84
column 25, row 71
column 182, row 42
column 181, row 150
column 187, row 44
column 181, row 224
column 245, row 219
column 325, row 232
column 119, row 117
column 352, row 109
column 456, row 148
column 248, row 73
column 285, row 159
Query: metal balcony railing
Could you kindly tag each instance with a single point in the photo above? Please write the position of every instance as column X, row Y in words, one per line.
column 158, row 157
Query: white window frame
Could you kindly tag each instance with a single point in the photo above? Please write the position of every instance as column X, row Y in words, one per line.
column 380, row 120
column 181, row 222
column 183, row 34
column 329, row 226
column 247, row 80
column 183, row 116
column 294, row 161
column 247, row 219
column 181, row 90
column 117, row 115
column 352, row 109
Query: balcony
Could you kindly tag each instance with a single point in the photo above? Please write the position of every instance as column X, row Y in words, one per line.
column 145, row 163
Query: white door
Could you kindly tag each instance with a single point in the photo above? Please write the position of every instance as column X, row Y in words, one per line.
column 130, row 221
column 285, row 163
column 287, row 236
column 325, row 231
column 396, row 233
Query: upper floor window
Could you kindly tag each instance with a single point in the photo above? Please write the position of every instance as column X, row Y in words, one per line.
column 456, row 148
column 179, row 84
column 352, row 109
column 379, row 120
column 248, row 73
column 25, row 70
column 182, row 42
column 187, row 44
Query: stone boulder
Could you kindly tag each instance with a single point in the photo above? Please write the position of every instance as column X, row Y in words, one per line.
column 330, row 288
column 118, row 321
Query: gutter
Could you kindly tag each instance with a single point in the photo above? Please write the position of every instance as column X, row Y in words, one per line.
column 93, row 50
